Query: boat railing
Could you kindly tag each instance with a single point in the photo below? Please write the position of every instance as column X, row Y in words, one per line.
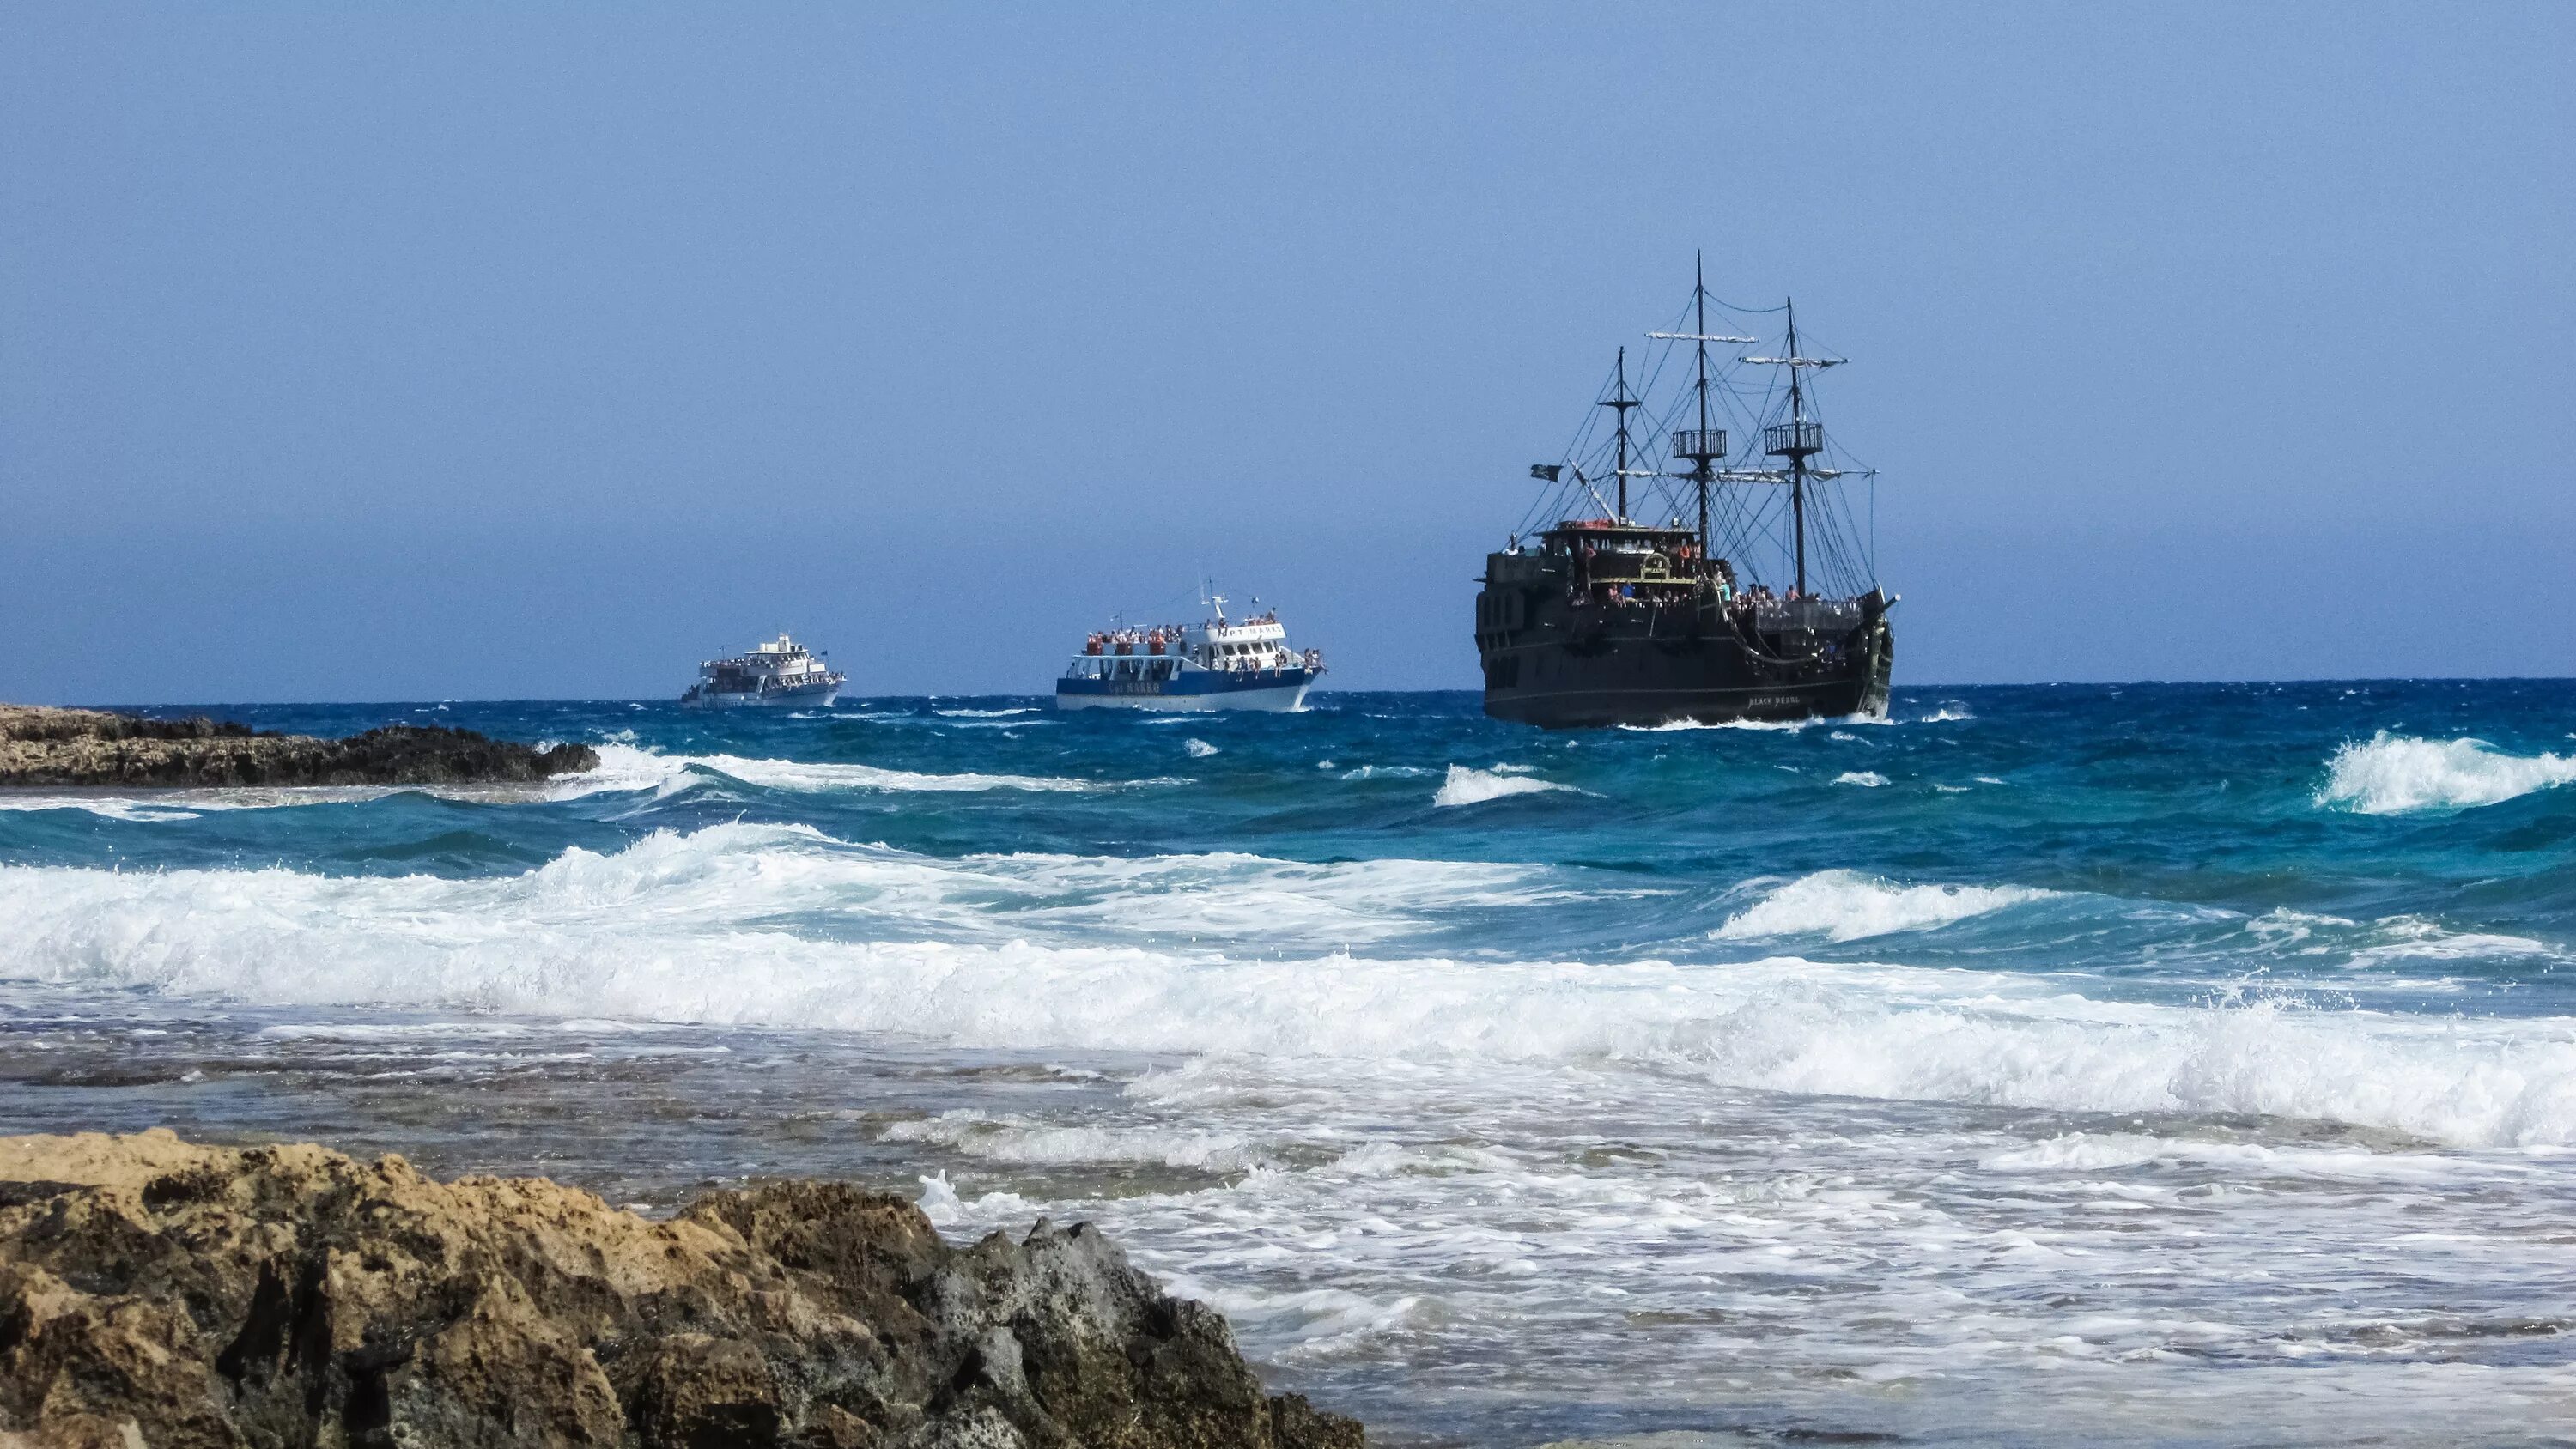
column 1806, row 613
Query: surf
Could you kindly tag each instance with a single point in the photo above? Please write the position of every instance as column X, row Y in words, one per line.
column 767, row 926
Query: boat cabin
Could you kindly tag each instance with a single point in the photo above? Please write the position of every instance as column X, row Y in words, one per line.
column 774, row 664
column 1610, row 562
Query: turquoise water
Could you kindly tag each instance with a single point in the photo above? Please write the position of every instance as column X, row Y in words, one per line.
column 2136, row 1063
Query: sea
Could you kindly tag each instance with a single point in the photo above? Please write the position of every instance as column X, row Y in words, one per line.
column 2102, row 1064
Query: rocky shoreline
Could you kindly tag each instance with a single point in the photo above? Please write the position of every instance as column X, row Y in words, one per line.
column 157, row 1292
column 42, row 747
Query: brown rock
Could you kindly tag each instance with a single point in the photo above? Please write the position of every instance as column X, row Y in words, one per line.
column 82, row 747
column 161, row 1293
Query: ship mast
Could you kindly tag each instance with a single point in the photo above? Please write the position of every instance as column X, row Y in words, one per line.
column 1622, row 401
column 1797, row 439
column 1699, row 324
column 1701, row 445
column 1797, row 456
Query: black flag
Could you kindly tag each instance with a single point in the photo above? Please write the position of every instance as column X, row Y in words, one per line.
column 1547, row 471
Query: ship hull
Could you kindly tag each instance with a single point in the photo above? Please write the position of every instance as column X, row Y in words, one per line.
column 1681, row 676
column 1687, row 702
column 813, row 696
column 1276, row 692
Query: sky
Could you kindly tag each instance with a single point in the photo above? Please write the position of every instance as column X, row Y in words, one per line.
column 461, row 351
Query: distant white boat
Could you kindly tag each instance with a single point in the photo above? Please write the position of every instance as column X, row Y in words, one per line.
column 779, row 672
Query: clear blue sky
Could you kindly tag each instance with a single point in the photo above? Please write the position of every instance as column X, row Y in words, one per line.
column 373, row 352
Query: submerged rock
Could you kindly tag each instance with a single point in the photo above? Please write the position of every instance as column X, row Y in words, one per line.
column 74, row 747
column 156, row 1292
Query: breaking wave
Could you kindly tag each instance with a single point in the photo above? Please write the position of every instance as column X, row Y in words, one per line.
column 1842, row 905
column 2399, row 774
column 1468, row 786
column 624, row 767
column 778, row 926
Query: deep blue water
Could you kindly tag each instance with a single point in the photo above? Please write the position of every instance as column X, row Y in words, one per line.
column 2208, row 1049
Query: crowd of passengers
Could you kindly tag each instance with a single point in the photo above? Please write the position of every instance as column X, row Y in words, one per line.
column 1167, row 639
column 1661, row 595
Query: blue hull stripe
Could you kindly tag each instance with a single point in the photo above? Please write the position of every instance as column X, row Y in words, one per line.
column 1191, row 682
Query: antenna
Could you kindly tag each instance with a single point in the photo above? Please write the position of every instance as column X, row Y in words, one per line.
column 1210, row 598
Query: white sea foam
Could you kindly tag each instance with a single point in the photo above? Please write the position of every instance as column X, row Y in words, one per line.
column 114, row 807
column 1229, row 897
column 1671, row 726
column 754, row 925
column 1469, row 786
column 1199, row 749
column 2411, row 938
column 1791, row 726
column 987, row 713
column 1868, row 779
column 746, row 877
column 1388, row 1159
column 2391, row 941
column 2115, row 1151
column 1043, row 1144
column 187, row 803
column 623, row 767
column 2400, row 774
column 941, row 1204
column 1947, row 714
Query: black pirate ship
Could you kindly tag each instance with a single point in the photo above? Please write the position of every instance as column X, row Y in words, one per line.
column 1731, row 581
